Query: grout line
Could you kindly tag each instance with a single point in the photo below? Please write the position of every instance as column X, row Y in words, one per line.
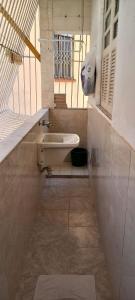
column 68, row 212
column 67, row 176
column 125, row 219
column 84, row 226
column 55, row 209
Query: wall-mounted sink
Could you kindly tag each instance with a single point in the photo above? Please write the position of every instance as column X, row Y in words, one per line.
column 54, row 147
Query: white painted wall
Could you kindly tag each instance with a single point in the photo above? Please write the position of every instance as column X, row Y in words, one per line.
column 124, row 99
column 71, row 15
column 123, row 116
column 46, row 49
column 114, row 175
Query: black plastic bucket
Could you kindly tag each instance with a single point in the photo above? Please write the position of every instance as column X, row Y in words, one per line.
column 79, row 157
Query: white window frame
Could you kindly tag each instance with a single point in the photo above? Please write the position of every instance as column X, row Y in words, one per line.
column 109, row 57
column 63, row 56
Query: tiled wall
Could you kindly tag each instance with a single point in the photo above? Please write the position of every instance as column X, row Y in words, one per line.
column 113, row 178
column 19, row 197
column 70, row 121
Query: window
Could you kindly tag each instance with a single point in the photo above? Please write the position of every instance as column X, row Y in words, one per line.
column 110, row 33
column 63, row 56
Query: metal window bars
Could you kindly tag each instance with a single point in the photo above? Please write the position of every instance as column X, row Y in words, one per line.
column 17, row 98
column 23, row 13
column 25, row 97
column 63, row 52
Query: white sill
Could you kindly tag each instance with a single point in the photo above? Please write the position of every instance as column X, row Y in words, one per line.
column 10, row 142
column 93, row 106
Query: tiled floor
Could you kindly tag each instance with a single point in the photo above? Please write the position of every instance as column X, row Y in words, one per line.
column 65, row 238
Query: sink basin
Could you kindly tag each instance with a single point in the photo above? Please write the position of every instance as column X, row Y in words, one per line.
column 53, row 138
column 54, row 147
column 58, row 140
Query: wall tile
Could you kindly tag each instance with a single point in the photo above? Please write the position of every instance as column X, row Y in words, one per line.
column 113, row 178
column 129, row 239
column 19, row 197
column 116, row 278
column 120, row 164
column 127, row 291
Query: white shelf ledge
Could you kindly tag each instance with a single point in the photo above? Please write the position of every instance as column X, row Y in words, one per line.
column 8, row 144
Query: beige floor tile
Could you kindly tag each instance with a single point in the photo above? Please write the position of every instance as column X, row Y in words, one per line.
column 82, row 203
column 54, row 217
column 82, row 218
column 48, row 235
column 86, row 261
column 86, row 236
column 55, row 203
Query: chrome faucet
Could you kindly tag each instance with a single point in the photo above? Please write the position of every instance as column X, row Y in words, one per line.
column 45, row 123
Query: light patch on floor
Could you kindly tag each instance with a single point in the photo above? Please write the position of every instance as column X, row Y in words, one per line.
column 65, row 287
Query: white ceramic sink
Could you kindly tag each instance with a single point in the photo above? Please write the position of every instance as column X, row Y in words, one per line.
column 54, row 147
column 60, row 140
